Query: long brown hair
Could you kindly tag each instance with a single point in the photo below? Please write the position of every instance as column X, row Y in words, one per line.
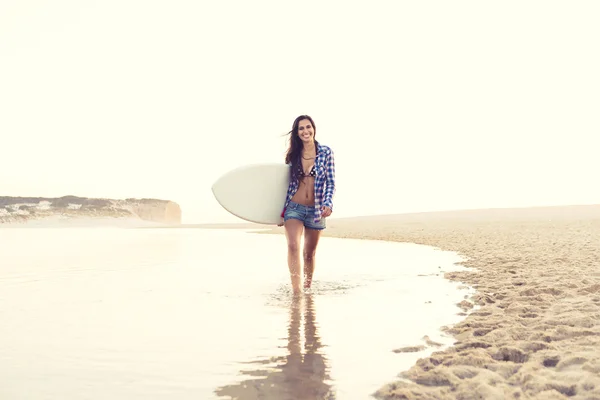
column 295, row 148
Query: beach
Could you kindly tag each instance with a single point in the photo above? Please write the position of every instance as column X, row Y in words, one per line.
column 529, row 330
column 536, row 332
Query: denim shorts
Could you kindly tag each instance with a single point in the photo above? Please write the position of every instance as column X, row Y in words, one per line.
column 305, row 214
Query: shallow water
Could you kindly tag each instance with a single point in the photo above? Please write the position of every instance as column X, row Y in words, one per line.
column 207, row 314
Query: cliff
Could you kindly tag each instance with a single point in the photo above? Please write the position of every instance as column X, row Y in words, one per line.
column 23, row 209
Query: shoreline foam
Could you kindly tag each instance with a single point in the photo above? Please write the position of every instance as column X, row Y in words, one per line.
column 64, row 221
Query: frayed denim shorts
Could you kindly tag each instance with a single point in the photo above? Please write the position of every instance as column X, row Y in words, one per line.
column 303, row 213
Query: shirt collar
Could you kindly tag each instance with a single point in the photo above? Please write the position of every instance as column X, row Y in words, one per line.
column 318, row 147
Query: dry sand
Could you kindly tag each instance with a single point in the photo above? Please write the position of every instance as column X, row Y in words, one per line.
column 536, row 334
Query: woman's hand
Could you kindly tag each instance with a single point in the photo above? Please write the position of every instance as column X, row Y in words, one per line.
column 326, row 211
column 280, row 223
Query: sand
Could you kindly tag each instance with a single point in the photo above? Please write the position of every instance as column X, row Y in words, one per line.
column 536, row 332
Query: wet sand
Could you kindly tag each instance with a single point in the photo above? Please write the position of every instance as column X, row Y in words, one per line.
column 536, row 333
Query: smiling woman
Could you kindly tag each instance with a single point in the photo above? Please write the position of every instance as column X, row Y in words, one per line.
column 309, row 198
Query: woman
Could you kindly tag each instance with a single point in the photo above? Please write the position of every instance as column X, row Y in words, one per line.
column 309, row 198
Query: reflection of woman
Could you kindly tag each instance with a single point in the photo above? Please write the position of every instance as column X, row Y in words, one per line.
column 298, row 376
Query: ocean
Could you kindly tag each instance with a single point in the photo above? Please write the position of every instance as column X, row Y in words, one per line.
column 116, row 313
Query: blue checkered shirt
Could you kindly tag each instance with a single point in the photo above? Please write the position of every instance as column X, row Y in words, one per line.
column 324, row 181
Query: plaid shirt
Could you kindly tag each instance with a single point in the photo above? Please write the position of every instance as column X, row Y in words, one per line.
column 324, row 181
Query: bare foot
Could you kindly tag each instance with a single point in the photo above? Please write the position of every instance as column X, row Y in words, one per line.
column 307, row 283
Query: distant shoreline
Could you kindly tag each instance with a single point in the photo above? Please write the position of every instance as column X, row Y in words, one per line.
column 498, row 212
column 35, row 211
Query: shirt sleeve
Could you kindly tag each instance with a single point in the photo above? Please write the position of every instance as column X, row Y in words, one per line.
column 329, row 180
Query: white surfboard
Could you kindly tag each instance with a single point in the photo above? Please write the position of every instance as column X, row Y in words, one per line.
column 255, row 192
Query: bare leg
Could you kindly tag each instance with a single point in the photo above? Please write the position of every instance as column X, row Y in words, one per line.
column 311, row 239
column 293, row 233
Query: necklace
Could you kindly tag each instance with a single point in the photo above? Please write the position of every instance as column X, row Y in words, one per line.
column 309, row 158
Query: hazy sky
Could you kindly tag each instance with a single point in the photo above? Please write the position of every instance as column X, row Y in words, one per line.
column 427, row 105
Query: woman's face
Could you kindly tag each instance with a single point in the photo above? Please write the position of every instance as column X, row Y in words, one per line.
column 306, row 132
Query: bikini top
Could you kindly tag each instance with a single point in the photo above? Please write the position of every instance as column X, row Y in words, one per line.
column 301, row 173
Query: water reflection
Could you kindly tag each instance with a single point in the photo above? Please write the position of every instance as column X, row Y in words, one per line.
column 301, row 375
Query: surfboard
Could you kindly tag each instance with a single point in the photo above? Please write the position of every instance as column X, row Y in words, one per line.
column 255, row 192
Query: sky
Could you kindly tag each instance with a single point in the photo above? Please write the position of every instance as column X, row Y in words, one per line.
column 428, row 105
